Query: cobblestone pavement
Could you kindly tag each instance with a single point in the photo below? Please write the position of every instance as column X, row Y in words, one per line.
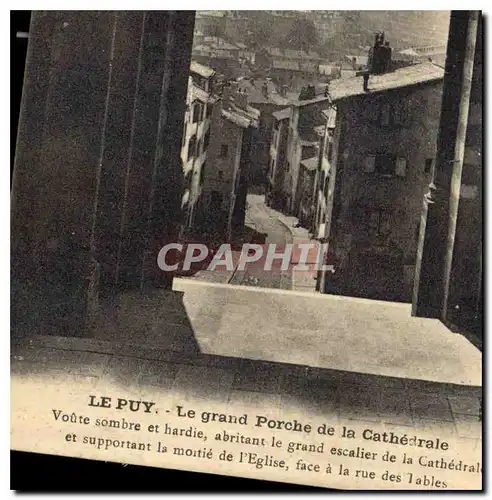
column 258, row 219
column 302, row 281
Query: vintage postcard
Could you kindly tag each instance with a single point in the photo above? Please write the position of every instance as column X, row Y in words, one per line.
column 249, row 243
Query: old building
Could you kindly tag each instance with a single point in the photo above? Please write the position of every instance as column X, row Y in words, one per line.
column 208, row 23
column 224, row 178
column 196, row 138
column 322, row 193
column 384, row 148
column 275, row 195
column 263, row 95
column 219, row 54
column 303, row 144
column 294, row 153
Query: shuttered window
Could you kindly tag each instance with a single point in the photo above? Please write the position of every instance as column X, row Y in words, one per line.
column 369, row 164
column 401, row 167
column 386, row 165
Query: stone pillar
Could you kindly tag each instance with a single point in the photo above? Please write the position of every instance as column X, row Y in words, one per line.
column 441, row 205
column 97, row 178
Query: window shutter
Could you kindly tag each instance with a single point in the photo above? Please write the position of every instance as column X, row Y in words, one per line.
column 372, row 111
column 373, row 222
column 401, row 167
column 385, row 115
column 369, row 164
column 385, row 224
column 396, row 113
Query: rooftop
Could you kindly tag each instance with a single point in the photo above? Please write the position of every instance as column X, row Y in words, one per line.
column 242, row 117
column 344, row 88
column 201, row 69
column 282, row 114
column 310, row 163
column 255, row 92
column 218, row 43
column 202, row 95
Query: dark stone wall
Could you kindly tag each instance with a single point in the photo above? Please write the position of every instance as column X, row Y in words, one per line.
column 448, row 272
column 464, row 306
column 97, row 173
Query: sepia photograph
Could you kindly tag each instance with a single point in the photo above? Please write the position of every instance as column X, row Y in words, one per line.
column 250, row 243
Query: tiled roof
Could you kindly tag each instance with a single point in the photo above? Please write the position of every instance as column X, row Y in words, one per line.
column 282, row 114
column 201, row 69
column 285, row 64
column 344, row 88
column 310, row 163
column 218, row 43
column 255, row 93
column 201, row 95
column 243, row 117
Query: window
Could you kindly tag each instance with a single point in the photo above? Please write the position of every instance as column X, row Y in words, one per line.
column 220, row 175
column 401, row 167
column 272, row 166
column 397, row 113
column 429, row 162
column 209, row 110
column 369, row 164
column 183, row 140
column 325, row 187
column 202, row 173
column 224, row 151
column 197, row 111
column 191, row 147
column 379, row 223
column 330, row 152
column 385, row 115
column 386, row 165
column 206, row 140
column 308, row 152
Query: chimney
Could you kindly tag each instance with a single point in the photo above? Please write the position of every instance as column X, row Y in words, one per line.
column 380, row 55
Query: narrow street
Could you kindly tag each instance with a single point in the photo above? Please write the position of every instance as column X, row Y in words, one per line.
column 267, row 230
column 265, row 226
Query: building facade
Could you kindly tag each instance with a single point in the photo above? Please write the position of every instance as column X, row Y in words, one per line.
column 201, row 105
column 263, row 95
column 384, row 149
column 224, row 179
